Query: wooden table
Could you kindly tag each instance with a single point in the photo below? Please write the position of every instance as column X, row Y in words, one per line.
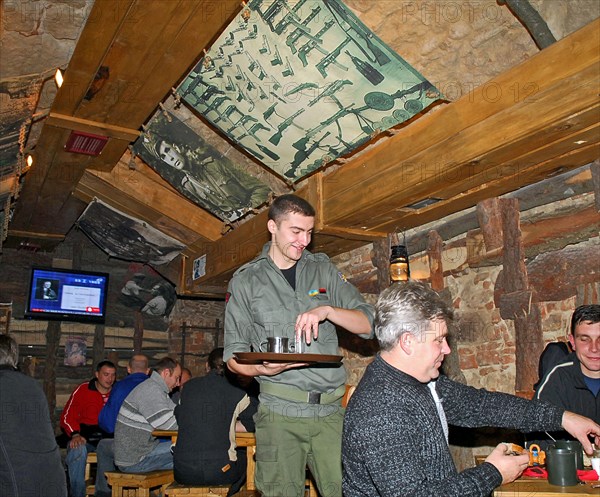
column 532, row 487
column 242, row 439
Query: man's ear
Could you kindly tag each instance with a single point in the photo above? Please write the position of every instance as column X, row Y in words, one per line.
column 271, row 226
column 571, row 338
column 405, row 342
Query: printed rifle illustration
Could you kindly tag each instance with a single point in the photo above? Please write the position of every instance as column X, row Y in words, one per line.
column 271, row 12
column 286, row 123
column 291, row 18
column 331, row 57
column 297, row 33
column 302, row 142
column 302, row 155
column 304, row 50
column 339, row 12
column 330, row 91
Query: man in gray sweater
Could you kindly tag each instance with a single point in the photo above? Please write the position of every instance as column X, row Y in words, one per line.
column 147, row 408
column 395, row 439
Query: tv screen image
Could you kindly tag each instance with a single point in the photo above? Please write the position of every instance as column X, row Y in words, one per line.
column 68, row 295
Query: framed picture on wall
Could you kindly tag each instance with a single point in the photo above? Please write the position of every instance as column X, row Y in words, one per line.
column 75, row 352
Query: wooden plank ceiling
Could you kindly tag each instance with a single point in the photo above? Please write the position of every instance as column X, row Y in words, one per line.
column 533, row 121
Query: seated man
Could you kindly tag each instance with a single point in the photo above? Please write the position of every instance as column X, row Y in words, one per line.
column 147, row 408
column 29, row 457
column 210, row 411
column 138, row 371
column 395, row 439
column 79, row 420
column 574, row 384
column 186, row 375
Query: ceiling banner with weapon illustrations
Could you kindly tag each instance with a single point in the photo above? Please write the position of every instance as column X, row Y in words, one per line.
column 298, row 83
column 197, row 169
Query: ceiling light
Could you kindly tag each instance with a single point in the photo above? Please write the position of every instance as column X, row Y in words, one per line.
column 580, row 142
column 399, row 266
column 29, row 161
column 58, row 77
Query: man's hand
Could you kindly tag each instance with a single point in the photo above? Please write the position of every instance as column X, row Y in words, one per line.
column 307, row 323
column 510, row 467
column 582, row 428
column 273, row 368
column 76, row 441
column 264, row 369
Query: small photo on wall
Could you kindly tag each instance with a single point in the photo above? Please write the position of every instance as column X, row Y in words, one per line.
column 75, row 352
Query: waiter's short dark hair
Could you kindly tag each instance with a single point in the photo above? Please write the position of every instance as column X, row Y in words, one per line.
column 290, row 204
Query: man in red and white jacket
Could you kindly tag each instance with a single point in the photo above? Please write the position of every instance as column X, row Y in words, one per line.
column 79, row 420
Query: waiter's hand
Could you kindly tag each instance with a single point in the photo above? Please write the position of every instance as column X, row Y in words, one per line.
column 273, row 368
column 76, row 441
column 307, row 323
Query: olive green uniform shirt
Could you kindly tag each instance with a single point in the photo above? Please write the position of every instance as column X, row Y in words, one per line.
column 261, row 303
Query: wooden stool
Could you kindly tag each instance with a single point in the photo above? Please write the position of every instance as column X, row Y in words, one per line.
column 177, row 489
column 140, row 482
column 90, row 481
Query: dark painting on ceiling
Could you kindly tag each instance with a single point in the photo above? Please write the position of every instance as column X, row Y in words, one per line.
column 299, row 83
column 197, row 169
column 126, row 237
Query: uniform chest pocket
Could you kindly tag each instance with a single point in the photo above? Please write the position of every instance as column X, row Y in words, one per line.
column 274, row 321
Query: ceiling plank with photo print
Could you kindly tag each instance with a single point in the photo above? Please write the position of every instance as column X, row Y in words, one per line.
column 126, row 237
column 197, row 170
column 300, row 83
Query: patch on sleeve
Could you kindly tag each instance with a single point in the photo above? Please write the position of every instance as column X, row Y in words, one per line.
column 227, row 297
column 342, row 277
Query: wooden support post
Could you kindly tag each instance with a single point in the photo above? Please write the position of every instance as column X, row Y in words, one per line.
column 434, row 255
column 526, row 314
column 98, row 347
column 515, row 273
column 138, row 332
column 489, row 215
column 52, row 344
column 595, row 168
column 381, row 260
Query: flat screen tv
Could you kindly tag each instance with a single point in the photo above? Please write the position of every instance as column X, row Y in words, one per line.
column 67, row 295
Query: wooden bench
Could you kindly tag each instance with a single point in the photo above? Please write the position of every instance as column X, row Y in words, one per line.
column 141, row 483
column 90, row 476
column 176, row 489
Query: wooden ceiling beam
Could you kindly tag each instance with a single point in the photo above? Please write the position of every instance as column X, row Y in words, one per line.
column 78, row 124
column 548, row 143
column 106, row 19
column 499, row 186
column 141, row 194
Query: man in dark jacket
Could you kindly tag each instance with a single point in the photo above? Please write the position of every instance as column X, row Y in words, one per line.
column 210, row 411
column 574, row 383
column 29, row 457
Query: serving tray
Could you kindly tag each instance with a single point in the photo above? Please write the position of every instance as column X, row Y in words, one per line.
column 258, row 357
